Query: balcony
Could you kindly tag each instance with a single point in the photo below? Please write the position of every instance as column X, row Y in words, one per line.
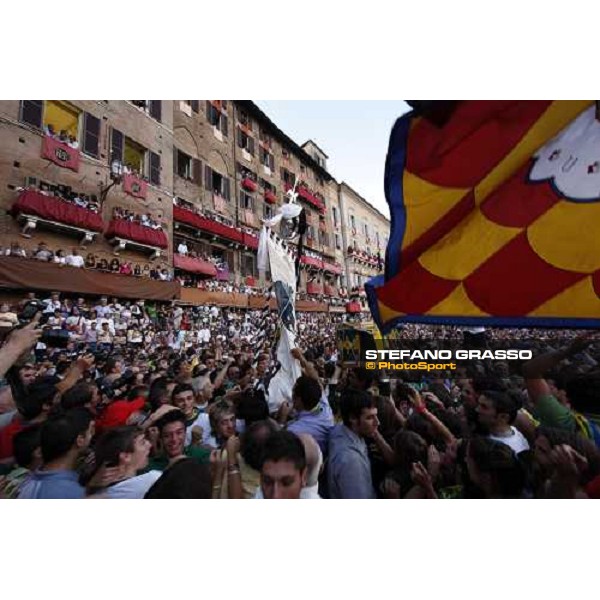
column 232, row 234
column 194, row 265
column 332, row 268
column 22, row 273
column 123, row 234
column 310, row 261
column 353, row 307
column 248, row 184
column 314, row 288
column 60, row 153
column 329, row 290
column 33, row 208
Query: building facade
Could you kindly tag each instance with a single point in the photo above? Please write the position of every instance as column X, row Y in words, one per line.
column 365, row 233
column 179, row 186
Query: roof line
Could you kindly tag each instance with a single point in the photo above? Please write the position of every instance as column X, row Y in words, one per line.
column 311, row 141
column 344, row 183
column 253, row 108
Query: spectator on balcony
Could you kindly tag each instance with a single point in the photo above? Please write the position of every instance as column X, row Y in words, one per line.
column 16, row 250
column 137, row 270
column 49, row 130
column 115, row 265
column 63, row 136
column 90, row 261
column 126, row 269
column 93, row 204
column 154, row 273
column 59, row 258
column 164, row 275
column 75, row 259
column 145, row 271
column 73, row 142
column 102, row 265
column 42, row 252
column 182, row 248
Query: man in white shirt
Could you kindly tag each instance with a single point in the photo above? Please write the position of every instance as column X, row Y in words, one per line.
column 52, row 303
column 75, row 259
column 496, row 412
column 103, row 309
column 182, row 248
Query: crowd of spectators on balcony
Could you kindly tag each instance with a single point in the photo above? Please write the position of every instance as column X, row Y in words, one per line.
column 122, row 214
column 66, row 194
column 62, row 136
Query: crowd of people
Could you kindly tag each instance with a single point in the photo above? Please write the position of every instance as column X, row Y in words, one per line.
column 146, row 220
column 65, row 193
column 109, row 398
column 62, row 136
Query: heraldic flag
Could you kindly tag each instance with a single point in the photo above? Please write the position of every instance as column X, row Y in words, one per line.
column 495, row 217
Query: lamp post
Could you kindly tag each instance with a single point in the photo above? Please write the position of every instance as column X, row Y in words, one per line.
column 116, row 175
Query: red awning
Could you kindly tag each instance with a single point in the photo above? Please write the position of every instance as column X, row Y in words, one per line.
column 248, row 184
column 270, row 197
column 312, row 262
column 137, row 233
column 332, row 268
column 230, row 233
column 194, row 265
column 134, row 186
column 353, row 307
column 52, row 208
column 314, row 288
column 60, row 154
column 329, row 290
column 316, row 202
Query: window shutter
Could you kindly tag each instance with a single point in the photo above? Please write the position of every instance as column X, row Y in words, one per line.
column 208, row 107
column 239, row 138
column 224, row 126
column 91, row 134
column 156, row 109
column 31, row 112
column 175, row 160
column 224, row 104
column 251, row 145
column 154, row 168
column 226, row 188
column 197, row 171
column 272, row 162
column 116, row 145
column 282, row 173
column 208, row 178
column 195, row 105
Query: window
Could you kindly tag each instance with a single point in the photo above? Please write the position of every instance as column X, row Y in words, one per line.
column 377, row 238
column 245, row 142
column 154, row 168
column 62, row 117
column 31, row 112
column 323, row 238
column 248, row 265
column 117, row 139
column 155, row 109
column 265, row 138
column 91, row 135
column 183, row 165
column 338, row 243
column 268, row 212
column 310, row 232
column 334, row 215
column 352, row 222
column 134, row 156
column 195, row 104
column 267, row 159
column 246, row 201
column 216, row 183
column 288, row 177
column 366, row 229
column 217, row 118
column 245, row 120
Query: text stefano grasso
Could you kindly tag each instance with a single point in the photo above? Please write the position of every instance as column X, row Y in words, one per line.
column 448, row 354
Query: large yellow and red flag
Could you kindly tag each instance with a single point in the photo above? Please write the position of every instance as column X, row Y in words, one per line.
column 495, row 217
